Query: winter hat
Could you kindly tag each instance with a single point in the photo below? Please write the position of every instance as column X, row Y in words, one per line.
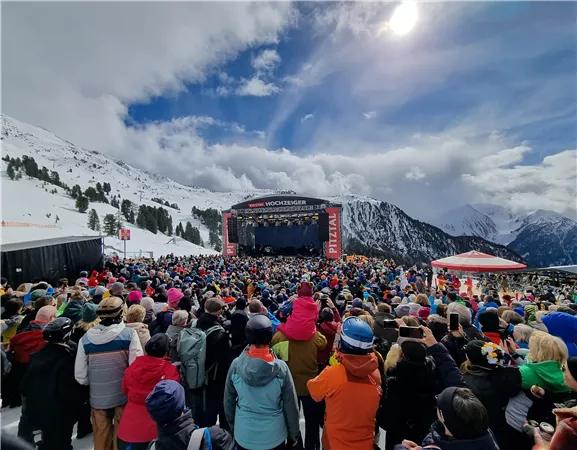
column 357, row 303
column 148, row 303
column 520, row 310
column 174, row 296
column 402, row 310
column 305, row 289
column 414, row 351
column 134, row 296
column 424, row 312
column 484, row 354
column 116, row 286
column 3, row 280
column 214, row 304
column 35, row 295
column 99, row 291
column 89, row 312
column 489, row 321
column 240, row 303
column 157, row 346
column 414, row 309
column 460, row 429
column 166, row 402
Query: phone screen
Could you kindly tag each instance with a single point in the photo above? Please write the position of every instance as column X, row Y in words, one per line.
column 454, row 322
column 390, row 324
column 411, row 332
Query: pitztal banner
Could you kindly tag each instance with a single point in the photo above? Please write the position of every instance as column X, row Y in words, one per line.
column 333, row 245
column 228, row 248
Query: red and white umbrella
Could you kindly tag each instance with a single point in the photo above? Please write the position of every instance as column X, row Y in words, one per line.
column 477, row 262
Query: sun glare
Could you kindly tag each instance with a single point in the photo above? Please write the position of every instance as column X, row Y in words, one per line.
column 404, row 18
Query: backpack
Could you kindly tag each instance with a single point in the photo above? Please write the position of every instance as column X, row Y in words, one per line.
column 195, row 440
column 192, row 351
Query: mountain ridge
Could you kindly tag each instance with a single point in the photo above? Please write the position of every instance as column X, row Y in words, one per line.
column 370, row 226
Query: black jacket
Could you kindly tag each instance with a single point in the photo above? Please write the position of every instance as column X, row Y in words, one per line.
column 410, row 385
column 238, row 340
column 494, row 388
column 52, row 393
column 437, row 438
column 176, row 435
column 217, row 353
column 456, row 345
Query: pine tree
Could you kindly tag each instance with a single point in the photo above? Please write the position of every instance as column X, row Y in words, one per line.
column 76, row 191
column 98, row 187
column 10, row 171
column 106, row 188
column 125, row 209
column 169, row 226
column 91, row 193
column 152, row 225
column 93, row 220
column 55, row 178
column 82, row 204
column 110, row 225
column 214, row 241
column 188, row 233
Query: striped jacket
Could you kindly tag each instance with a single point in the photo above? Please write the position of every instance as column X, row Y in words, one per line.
column 104, row 353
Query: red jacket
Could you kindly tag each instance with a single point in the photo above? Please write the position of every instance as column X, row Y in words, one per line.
column 328, row 330
column 24, row 344
column 139, row 380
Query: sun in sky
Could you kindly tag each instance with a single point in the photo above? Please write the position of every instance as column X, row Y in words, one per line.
column 404, row 18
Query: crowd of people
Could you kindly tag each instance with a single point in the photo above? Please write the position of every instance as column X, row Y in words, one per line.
column 228, row 353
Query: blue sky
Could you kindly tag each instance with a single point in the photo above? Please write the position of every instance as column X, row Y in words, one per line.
column 476, row 103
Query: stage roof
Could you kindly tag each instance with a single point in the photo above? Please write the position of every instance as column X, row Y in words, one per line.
column 279, row 200
column 46, row 242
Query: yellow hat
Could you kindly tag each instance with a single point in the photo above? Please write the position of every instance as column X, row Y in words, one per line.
column 106, row 294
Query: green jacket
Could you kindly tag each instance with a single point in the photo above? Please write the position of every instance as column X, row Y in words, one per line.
column 547, row 375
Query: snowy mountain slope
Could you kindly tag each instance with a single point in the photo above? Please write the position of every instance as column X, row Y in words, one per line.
column 543, row 238
column 369, row 225
column 379, row 227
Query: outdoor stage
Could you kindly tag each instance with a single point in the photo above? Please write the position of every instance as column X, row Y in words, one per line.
column 283, row 225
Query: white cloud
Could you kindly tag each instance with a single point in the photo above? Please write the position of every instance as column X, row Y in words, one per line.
column 307, row 117
column 257, row 88
column 370, row 115
column 129, row 52
column 415, row 174
column 223, row 91
column 267, row 60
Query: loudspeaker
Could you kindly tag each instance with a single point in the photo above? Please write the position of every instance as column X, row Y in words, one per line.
column 232, row 228
column 323, row 227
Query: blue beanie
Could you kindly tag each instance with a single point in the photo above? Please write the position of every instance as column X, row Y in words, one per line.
column 166, row 402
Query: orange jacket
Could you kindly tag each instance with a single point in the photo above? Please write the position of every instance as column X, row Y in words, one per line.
column 352, row 391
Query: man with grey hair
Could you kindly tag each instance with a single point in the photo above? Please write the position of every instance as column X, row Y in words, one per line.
column 179, row 322
column 455, row 341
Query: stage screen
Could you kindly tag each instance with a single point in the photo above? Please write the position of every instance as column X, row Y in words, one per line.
column 284, row 236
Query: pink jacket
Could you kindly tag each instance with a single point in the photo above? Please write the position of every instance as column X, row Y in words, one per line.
column 301, row 325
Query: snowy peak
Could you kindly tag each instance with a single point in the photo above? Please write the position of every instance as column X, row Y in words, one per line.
column 543, row 238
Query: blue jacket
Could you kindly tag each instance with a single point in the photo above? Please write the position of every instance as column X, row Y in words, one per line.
column 563, row 326
column 260, row 403
column 483, row 309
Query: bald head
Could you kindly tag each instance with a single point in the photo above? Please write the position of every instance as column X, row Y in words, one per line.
column 46, row 314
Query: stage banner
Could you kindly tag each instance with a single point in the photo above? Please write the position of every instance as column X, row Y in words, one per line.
column 333, row 246
column 229, row 249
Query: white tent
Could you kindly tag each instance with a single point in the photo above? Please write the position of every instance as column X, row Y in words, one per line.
column 477, row 262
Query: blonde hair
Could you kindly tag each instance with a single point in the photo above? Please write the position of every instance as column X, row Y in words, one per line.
column 544, row 347
column 512, row 317
column 502, row 309
column 136, row 313
column 393, row 356
column 61, row 299
column 368, row 319
column 86, row 325
column 410, row 321
column 423, row 300
column 522, row 332
column 76, row 293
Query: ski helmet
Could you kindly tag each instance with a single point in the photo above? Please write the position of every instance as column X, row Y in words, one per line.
column 259, row 330
column 356, row 337
column 58, row 330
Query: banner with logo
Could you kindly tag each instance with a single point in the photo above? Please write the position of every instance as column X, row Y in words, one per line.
column 333, row 245
column 228, row 248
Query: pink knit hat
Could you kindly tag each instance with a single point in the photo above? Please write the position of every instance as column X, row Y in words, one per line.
column 424, row 312
column 134, row 296
column 174, row 296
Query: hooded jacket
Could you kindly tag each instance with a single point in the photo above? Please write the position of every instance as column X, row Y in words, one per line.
column 329, row 331
column 259, row 396
column 301, row 324
column 104, row 353
column 139, row 380
column 546, row 374
column 300, row 356
column 73, row 310
column 436, row 439
column 25, row 343
column 176, row 435
column 352, row 391
column 142, row 332
column 564, row 326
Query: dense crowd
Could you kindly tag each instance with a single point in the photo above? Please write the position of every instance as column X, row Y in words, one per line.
column 227, row 353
